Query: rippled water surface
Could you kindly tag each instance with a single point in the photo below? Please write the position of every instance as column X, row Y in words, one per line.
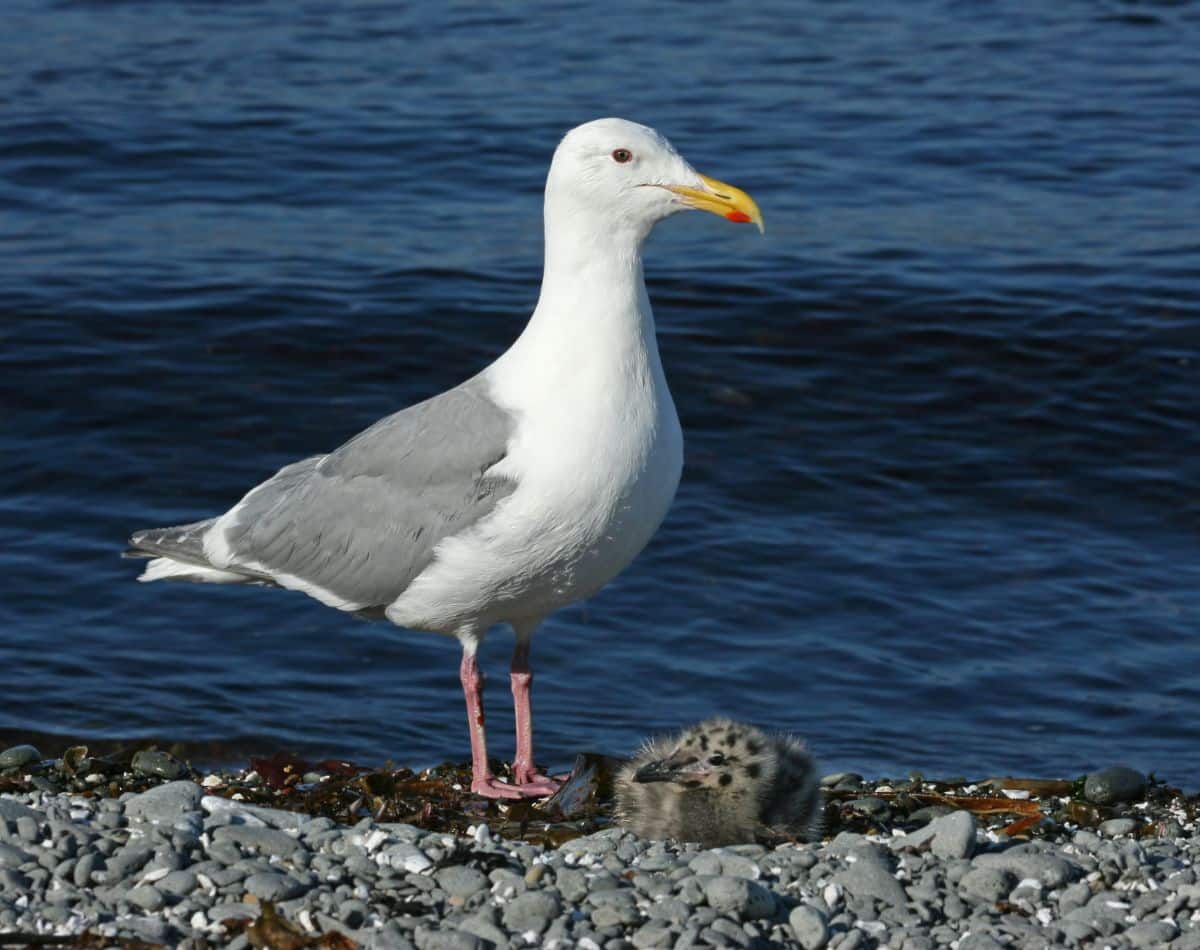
column 940, row 507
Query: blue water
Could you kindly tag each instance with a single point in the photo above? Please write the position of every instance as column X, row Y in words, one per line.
column 940, row 506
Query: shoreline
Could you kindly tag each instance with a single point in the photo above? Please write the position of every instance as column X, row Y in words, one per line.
column 169, row 858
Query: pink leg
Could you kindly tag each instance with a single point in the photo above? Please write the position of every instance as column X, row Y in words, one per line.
column 483, row 782
column 524, row 771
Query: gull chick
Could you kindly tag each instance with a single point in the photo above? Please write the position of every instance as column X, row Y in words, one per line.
column 522, row 490
column 718, row 783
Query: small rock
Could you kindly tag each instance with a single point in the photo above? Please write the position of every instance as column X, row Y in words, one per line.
column 1152, row 933
column 739, row 896
column 1115, row 827
column 532, row 910
column 987, row 884
column 14, row 811
column 870, row 877
column 950, row 836
column 430, row 938
column 1114, row 784
column 459, row 880
column 652, row 934
column 164, row 804
column 1050, row 869
column 13, row 857
column 809, row 926
column 871, row 807
column 842, row 780
column 145, row 897
column 159, row 764
column 720, row 861
column 265, row 841
column 18, row 756
column 178, row 883
column 227, row 811
column 273, row 886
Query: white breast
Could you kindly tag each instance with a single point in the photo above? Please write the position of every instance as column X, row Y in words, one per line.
column 597, row 456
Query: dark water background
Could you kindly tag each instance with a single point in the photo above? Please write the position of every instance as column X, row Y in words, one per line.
column 940, row 508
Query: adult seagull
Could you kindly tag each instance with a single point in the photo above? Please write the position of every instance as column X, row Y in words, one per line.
column 526, row 488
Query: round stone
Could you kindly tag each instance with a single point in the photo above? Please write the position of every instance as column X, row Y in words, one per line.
column 739, row 896
column 145, row 897
column 158, row 764
column 19, row 756
column 461, row 881
column 273, row 886
column 1114, row 784
column 985, row 884
column 809, row 926
column 1118, row 826
column 532, row 910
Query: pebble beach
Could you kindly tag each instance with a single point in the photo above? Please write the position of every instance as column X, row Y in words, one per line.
column 1108, row 860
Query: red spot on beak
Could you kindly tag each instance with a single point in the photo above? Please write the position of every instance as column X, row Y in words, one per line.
column 739, row 216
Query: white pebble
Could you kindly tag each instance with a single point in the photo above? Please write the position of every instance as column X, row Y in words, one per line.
column 306, row 921
column 832, row 894
column 1020, row 794
column 416, row 863
column 374, row 840
column 482, row 834
column 211, row 781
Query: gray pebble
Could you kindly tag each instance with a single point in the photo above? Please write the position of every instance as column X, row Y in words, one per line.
column 1050, row 869
column 532, row 910
column 872, row 807
column 1152, row 933
column 158, row 764
column 987, row 884
column 13, row 857
column 460, row 880
column 870, row 877
column 261, row 839
column 842, row 780
column 165, row 803
column 146, row 897
column 178, row 883
column 809, row 927
column 18, row 756
column 427, row 938
column 1114, row 784
column 273, row 886
column 739, row 896
column 950, row 836
column 652, row 934
column 1115, row 827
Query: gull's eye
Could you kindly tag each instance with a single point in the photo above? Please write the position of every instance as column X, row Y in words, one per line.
column 622, row 155
column 716, row 759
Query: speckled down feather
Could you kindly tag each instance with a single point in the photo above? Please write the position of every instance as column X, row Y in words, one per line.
column 721, row 782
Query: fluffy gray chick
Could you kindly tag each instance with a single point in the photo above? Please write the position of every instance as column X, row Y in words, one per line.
column 720, row 782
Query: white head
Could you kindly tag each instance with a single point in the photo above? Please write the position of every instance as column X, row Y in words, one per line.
column 625, row 177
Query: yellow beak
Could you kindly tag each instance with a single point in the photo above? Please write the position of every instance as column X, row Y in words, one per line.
column 720, row 198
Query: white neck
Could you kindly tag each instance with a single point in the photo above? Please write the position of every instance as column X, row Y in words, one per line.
column 593, row 301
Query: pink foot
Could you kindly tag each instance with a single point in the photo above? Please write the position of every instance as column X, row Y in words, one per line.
column 533, row 783
column 492, row 787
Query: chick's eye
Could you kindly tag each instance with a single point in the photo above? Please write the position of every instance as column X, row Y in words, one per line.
column 622, row 155
column 716, row 759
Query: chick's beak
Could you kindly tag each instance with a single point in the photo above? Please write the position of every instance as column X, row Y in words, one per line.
column 719, row 198
column 662, row 771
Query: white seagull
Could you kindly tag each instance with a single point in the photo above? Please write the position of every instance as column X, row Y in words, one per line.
column 524, row 489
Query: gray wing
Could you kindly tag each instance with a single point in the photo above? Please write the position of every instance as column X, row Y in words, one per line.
column 362, row 522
